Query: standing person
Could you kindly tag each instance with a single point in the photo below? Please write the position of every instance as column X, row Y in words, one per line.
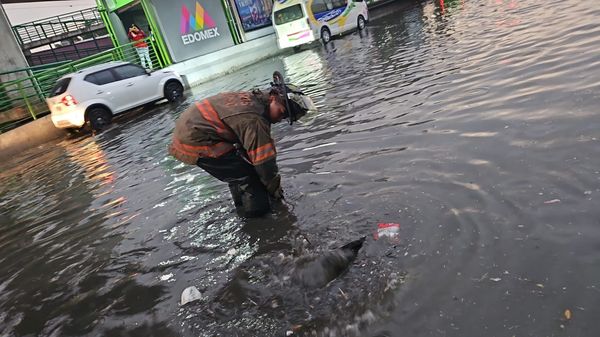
column 229, row 136
column 136, row 34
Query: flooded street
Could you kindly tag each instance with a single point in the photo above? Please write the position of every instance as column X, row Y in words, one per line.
column 472, row 124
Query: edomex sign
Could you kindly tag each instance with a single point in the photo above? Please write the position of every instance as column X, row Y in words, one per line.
column 193, row 27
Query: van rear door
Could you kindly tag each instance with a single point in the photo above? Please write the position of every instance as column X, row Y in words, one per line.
column 291, row 24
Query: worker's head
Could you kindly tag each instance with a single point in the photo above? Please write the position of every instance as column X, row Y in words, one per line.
column 277, row 110
column 287, row 101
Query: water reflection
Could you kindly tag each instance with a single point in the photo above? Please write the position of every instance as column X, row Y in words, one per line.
column 61, row 285
column 449, row 6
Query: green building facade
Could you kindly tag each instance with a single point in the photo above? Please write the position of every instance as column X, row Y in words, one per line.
column 185, row 29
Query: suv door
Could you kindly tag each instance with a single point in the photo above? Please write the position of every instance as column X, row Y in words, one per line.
column 136, row 83
column 107, row 89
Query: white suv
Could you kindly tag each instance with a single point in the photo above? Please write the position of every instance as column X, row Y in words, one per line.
column 93, row 95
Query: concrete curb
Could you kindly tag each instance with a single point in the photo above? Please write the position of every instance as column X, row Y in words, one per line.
column 28, row 136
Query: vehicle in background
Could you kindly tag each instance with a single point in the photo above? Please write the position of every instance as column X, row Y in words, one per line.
column 298, row 22
column 94, row 95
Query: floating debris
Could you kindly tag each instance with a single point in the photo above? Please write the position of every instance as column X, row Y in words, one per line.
column 166, row 277
column 343, row 293
column 389, row 230
column 190, row 294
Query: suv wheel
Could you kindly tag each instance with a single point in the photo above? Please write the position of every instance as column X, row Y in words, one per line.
column 173, row 91
column 99, row 118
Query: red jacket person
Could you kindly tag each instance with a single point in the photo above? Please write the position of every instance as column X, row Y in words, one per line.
column 229, row 136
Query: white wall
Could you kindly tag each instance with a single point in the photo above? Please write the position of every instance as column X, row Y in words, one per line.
column 11, row 56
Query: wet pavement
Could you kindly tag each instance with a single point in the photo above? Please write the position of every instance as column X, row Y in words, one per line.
column 473, row 124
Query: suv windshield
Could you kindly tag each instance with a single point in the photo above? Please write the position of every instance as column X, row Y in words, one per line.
column 288, row 14
column 60, row 87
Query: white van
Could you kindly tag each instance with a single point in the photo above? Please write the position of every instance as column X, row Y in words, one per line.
column 298, row 22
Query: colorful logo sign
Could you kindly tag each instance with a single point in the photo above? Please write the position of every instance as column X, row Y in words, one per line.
column 198, row 26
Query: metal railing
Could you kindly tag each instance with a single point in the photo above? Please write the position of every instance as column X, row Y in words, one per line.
column 24, row 99
column 42, row 32
column 52, row 56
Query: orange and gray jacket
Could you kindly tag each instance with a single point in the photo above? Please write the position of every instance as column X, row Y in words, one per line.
column 211, row 127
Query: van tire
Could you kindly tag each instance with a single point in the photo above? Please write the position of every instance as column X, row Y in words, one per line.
column 173, row 90
column 361, row 23
column 98, row 118
column 325, row 35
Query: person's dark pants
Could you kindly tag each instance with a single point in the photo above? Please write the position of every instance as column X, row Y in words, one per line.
column 250, row 196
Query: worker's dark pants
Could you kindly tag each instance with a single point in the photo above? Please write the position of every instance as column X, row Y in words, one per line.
column 250, row 196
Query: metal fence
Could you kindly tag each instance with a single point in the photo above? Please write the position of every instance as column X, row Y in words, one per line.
column 57, row 27
column 24, row 99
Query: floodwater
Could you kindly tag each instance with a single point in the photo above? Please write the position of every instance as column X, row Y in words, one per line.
column 474, row 125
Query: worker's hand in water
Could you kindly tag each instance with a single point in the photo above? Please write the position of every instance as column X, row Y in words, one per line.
column 274, row 188
column 278, row 194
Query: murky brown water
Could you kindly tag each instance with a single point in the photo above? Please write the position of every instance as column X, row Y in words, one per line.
column 474, row 126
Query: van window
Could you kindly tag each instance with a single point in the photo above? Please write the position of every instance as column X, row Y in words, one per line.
column 101, row 77
column 339, row 3
column 288, row 14
column 319, row 6
column 60, row 87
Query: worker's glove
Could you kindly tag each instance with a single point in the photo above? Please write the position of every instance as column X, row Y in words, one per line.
column 274, row 188
column 278, row 194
